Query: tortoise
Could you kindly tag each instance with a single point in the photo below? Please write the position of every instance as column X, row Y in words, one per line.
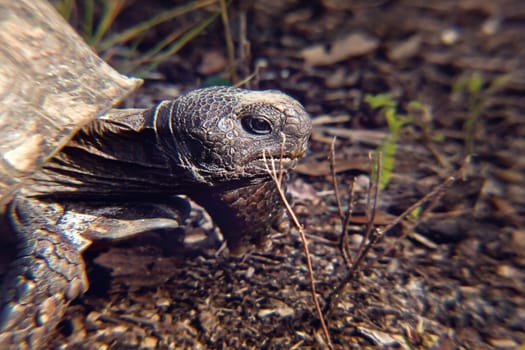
column 74, row 170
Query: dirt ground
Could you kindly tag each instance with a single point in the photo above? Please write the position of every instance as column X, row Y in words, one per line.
column 449, row 277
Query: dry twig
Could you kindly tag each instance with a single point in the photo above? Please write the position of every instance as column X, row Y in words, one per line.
column 368, row 241
column 433, row 196
column 365, row 247
column 345, row 216
column 334, row 178
column 277, row 176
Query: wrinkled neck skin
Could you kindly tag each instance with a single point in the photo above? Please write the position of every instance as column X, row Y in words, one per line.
column 135, row 155
column 246, row 215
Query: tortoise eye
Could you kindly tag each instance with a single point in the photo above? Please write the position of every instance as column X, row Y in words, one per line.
column 256, row 125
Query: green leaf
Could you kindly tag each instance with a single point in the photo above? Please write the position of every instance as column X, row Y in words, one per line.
column 417, row 105
column 380, row 101
column 475, row 83
column 388, row 150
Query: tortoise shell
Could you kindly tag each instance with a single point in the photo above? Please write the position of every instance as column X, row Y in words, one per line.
column 51, row 84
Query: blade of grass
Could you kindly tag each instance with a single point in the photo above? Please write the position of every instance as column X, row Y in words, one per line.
column 87, row 21
column 150, row 55
column 132, row 32
column 229, row 41
column 246, row 80
column 111, row 11
column 65, row 8
column 243, row 49
column 171, row 50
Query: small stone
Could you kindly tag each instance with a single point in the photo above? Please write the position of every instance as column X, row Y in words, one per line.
column 285, row 311
column 250, row 272
column 283, row 226
column 491, row 25
column 265, row 312
column 503, row 343
column 150, row 315
column 518, row 239
column 406, row 49
column 149, row 342
column 163, row 303
column 92, row 320
column 208, row 321
column 167, row 319
column 507, row 271
column 356, row 239
column 450, row 36
column 117, row 330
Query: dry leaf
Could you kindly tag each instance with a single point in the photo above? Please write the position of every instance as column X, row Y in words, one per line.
column 405, row 49
column 355, row 44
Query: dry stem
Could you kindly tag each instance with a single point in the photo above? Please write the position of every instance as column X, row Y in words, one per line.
column 367, row 243
column 229, row 40
column 345, row 216
column 433, row 195
column 277, row 176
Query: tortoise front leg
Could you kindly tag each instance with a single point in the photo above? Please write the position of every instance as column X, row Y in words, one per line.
column 46, row 275
column 48, row 271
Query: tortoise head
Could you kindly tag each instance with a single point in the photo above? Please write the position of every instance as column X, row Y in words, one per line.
column 223, row 134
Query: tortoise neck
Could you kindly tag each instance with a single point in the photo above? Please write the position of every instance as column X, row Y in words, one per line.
column 118, row 155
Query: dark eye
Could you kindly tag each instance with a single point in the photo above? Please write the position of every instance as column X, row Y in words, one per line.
column 256, row 125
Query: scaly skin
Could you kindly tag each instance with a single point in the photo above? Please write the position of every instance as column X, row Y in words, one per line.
column 46, row 275
column 207, row 144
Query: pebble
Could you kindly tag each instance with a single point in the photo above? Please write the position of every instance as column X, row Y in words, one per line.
column 163, row 303
column 149, row 342
column 503, row 343
column 518, row 238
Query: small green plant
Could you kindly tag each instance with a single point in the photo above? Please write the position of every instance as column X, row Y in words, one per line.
column 97, row 33
column 419, row 115
column 478, row 92
column 395, row 121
